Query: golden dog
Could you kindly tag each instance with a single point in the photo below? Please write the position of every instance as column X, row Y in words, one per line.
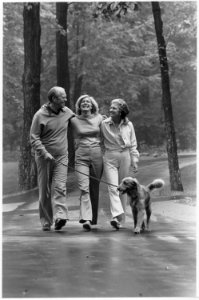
column 139, row 200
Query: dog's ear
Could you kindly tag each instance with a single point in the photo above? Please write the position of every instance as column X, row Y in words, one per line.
column 132, row 184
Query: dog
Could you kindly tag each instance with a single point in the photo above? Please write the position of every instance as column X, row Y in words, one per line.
column 139, row 200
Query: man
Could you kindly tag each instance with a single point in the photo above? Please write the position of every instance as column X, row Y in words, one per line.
column 48, row 137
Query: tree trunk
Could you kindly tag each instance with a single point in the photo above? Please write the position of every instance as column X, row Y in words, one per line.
column 31, row 91
column 78, row 78
column 175, row 178
column 63, row 74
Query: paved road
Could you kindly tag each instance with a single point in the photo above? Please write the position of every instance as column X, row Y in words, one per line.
column 101, row 263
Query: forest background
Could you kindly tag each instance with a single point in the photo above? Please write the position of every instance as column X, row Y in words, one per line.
column 109, row 58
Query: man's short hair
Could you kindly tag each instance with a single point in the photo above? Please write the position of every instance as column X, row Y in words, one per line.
column 54, row 92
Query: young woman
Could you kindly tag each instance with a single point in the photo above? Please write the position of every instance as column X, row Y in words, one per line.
column 120, row 153
column 88, row 157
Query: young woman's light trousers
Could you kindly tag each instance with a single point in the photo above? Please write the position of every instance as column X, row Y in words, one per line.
column 88, row 162
column 116, row 167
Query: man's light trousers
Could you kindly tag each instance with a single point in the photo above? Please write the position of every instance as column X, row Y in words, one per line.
column 52, row 177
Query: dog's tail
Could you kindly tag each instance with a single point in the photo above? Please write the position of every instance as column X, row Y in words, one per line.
column 156, row 184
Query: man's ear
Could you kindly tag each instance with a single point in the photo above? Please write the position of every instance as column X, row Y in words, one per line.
column 53, row 98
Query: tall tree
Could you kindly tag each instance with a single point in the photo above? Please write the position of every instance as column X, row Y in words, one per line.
column 126, row 65
column 78, row 25
column 175, row 178
column 63, row 74
column 31, row 91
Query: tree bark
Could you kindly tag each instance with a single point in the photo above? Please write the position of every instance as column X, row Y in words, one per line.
column 31, row 91
column 63, row 74
column 78, row 78
column 175, row 177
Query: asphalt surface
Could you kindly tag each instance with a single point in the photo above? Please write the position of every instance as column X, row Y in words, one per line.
column 100, row 263
column 103, row 262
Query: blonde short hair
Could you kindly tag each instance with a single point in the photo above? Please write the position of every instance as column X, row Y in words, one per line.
column 94, row 109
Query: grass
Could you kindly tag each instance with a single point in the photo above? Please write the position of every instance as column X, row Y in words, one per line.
column 188, row 175
column 10, row 179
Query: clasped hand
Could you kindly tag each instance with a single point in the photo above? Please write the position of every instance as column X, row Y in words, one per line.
column 48, row 156
column 135, row 167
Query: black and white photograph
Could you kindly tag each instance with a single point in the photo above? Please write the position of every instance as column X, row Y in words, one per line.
column 99, row 149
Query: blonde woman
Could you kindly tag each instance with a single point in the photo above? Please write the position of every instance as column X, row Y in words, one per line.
column 88, row 157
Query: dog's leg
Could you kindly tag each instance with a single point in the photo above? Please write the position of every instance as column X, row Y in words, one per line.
column 134, row 213
column 148, row 215
column 143, row 226
column 140, row 219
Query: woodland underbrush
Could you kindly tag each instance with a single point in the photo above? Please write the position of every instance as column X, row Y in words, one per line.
column 153, row 151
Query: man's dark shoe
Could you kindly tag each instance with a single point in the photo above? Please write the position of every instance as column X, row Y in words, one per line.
column 59, row 223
